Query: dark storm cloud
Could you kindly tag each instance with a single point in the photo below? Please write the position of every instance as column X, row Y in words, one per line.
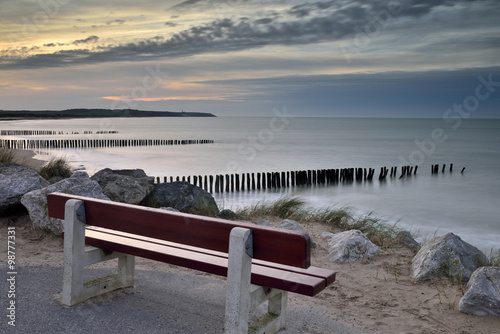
column 309, row 24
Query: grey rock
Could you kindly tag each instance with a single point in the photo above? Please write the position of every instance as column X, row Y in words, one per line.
column 182, row 196
column 483, row 296
column 228, row 214
column 406, row 239
column 263, row 222
column 126, row 186
column 292, row 225
column 15, row 181
column 169, row 209
column 349, row 246
column 36, row 201
column 447, row 256
column 55, row 179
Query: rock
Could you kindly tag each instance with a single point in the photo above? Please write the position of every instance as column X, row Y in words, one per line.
column 36, row 201
column 263, row 222
column 292, row 225
column 483, row 296
column 228, row 214
column 126, row 186
column 406, row 239
column 56, row 179
column 447, row 256
column 15, row 181
column 349, row 246
column 169, row 209
column 182, row 196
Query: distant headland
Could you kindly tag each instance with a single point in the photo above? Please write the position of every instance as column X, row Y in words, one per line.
column 94, row 113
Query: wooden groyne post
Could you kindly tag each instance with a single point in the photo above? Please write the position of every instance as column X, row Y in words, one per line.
column 275, row 180
column 30, row 144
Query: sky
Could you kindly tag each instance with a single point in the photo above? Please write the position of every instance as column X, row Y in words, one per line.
column 361, row 58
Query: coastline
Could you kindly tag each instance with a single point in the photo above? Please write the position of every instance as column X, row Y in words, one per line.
column 377, row 294
column 29, row 158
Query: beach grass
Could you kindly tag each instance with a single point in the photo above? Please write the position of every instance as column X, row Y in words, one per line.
column 56, row 167
column 377, row 230
column 494, row 258
column 7, row 155
column 285, row 207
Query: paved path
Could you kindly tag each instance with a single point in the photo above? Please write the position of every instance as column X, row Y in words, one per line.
column 161, row 302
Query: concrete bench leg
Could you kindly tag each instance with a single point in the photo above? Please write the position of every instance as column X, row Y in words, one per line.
column 242, row 296
column 77, row 257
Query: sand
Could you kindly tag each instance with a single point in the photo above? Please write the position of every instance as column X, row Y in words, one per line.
column 29, row 158
column 374, row 295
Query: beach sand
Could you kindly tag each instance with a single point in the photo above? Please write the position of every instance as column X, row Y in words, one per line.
column 29, row 158
column 374, row 295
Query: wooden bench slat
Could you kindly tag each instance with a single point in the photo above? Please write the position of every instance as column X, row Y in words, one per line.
column 270, row 244
column 326, row 274
column 261, row 275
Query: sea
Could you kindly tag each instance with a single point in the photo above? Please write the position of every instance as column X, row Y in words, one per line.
column 465, row 201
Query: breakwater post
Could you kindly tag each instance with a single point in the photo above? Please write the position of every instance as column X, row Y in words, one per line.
column 29, row 144
column 435, row 168
column 275, row 180
column 47, row 132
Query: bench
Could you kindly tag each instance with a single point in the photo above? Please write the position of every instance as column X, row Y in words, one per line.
column 260, row 263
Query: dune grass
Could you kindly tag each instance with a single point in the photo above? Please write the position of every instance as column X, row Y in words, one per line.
column 378, row 231
column 7, row 155
column 56, row 167
column 494, row 258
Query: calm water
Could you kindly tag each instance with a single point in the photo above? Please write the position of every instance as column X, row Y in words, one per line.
column 467, row 204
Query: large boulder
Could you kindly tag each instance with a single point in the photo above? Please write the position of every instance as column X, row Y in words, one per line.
column 483, row 296
column 228, row 214
column 447, row 256
column 15, row 181
column 406, row 239
column 125, row 185
column 263, row 222
column 182, row 196
column 292, row 225
column 36, row 201
column 349, row 246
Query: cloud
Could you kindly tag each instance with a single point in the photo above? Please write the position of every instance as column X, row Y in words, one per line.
column 90, row 39
column 305, row 24
column 115, row 22
column 50, row 45
column 187, row 3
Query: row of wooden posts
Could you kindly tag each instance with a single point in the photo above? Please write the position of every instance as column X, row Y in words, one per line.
column 435, row 169
column 49, row 132
column 28, row 144
column 257, row 181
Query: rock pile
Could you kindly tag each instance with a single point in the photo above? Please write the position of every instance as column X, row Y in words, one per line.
column 36, row 201
column 125, row 185
column 15, row 181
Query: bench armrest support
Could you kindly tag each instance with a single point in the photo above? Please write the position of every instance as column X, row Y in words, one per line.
column 77, row 257
column 242, row 296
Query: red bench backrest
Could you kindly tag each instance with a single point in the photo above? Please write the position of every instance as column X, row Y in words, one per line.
column 269, row 244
